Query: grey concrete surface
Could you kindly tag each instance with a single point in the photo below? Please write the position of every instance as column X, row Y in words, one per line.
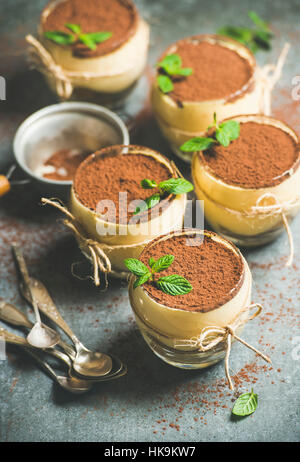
column 154, row 402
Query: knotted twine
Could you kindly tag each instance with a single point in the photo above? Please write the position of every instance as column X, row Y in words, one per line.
column 211, row 336
column 89, row 247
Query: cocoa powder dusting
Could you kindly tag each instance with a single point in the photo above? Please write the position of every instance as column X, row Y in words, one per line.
column 103, row 177
column 64, row 164
column 116, row 16
column 218, row 72
column 260, row 157
column 214, row 271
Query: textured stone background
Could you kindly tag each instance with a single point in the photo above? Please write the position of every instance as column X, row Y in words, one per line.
column 154, row 402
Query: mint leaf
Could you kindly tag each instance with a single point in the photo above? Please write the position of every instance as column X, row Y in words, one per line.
column 148, row 204
column 165, row 83
column 258, row 21
column 60, row 37
column 162, row 263
column 151, row 262
column 176, row 186
column 148, row 184
column 171, row 64
column 186, row 71
column 99, row 37
column 87, row 41
column 73, row 27
column 174, row 285
column 141, row 280
column 136, row 266
column 231, row 128
column 197, row 144
column 246, row 404
column 222, row 137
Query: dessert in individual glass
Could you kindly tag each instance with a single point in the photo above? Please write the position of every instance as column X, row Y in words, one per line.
column 97, row 47
column 198, row 76
column 251, row 187
column 198, row 281
column 121, row 198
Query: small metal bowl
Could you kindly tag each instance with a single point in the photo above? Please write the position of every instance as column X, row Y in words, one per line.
column 81, row 126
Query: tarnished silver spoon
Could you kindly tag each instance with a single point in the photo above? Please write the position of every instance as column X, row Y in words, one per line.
column 86, row 362
column 69, row 383
column 40, row 336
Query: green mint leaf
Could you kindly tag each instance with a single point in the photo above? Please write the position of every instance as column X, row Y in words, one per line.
column 262, row 39
column 99, row 37
column 222, row 137
column 162, row 263
column 148, row 184
column 87, row 41
column 73, row 27
column 136, row 267
column 258, row 21
column 60, row 37
column 141, row 280
column 176, row 186
column 151, row 262
column 231, row 128
column 174, row 285
column 165, row 83
column 240, row 34
column 186, row 71
column 246, row 404
column 148, row 204
column 171, row 64
column 197, row 144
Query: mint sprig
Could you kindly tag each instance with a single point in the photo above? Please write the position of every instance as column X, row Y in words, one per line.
column 174, row 186
column 224, row 134
column 255, row 39
column 246, row 404
column 89, row 40
column 172, row 284
column 170, row 67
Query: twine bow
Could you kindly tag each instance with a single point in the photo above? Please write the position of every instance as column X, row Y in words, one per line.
column 269, row 75
column 212, row 336
column 44, row 62
column 89, row 247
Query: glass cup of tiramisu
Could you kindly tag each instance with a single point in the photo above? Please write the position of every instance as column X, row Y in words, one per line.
column 208, row 73
column 200, row 281
column 122, row 197
column 96, row 47
column 251, row 187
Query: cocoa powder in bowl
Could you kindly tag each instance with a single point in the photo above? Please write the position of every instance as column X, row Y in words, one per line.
column 110, row 171
column 215, row 271
column 117, row 16
column 261, row 157
column 218, row 71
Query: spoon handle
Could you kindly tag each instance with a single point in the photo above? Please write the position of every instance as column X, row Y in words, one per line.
column 9, row 337
column 47, row 306
column 25, row 275
column 43, row 364
column 12, row 315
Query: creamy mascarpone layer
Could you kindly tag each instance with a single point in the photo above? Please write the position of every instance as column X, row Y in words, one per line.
column 226, row 206
column 168, row 324
column 113, row 72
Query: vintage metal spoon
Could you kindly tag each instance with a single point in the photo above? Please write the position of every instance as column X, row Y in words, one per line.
column 40, row 336
column 71, row 383
column 12, row 315
column 86, row 362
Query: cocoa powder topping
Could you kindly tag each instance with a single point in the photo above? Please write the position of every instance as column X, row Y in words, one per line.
column 102, row 177
column 218, row 72
column 117, row 16
column 62, row 165
column 261, row 157
column 213, row 269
